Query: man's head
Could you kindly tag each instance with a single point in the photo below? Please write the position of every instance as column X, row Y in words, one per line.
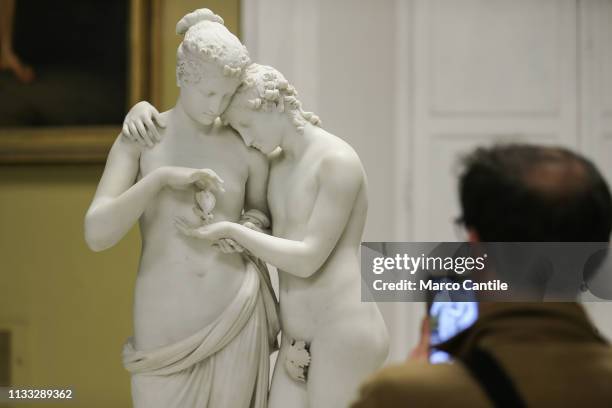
column 517, row 192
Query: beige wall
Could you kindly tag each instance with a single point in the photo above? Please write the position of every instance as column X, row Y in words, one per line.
column 70, row 308
column 74, row 305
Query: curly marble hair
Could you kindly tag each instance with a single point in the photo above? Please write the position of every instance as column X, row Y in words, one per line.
column 265, row 88
column 207, row 40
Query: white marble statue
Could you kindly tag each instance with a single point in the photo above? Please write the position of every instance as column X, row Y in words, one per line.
column 204, row 315
column 317, row 194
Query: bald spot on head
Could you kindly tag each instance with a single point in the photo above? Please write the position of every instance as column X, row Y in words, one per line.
column 556, row 175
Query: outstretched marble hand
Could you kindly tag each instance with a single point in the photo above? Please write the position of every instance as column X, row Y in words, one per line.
column 205, row 204
column 210, row 232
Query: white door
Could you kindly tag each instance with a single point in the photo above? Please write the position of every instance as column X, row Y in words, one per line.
column 486, row 71
column 413, row 84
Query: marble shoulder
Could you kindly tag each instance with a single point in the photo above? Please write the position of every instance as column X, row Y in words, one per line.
column 341, row 163
column 338, row 150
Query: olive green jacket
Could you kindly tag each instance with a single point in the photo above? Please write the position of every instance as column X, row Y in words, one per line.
column 551, row 351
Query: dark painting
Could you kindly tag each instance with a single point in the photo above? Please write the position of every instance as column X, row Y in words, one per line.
column 77, row 51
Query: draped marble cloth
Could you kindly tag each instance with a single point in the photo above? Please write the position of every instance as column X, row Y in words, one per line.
column 224, row 365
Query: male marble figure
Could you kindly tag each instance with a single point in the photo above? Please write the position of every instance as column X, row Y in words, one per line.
column 204, row 318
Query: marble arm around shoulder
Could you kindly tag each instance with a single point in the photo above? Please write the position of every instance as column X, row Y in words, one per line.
column 141, row 123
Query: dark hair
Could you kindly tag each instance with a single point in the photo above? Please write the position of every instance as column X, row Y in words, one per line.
column 520, row 192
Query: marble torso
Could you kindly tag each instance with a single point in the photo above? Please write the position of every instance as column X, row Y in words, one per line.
column 308, row 304
column 184, row 283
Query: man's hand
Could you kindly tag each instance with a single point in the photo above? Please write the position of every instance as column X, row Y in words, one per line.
column 421, row 351
column 140, row 124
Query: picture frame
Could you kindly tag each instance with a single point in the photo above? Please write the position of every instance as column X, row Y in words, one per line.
column 90, row 143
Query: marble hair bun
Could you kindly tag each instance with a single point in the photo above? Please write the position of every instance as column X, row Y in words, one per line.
column 193, row 18
column 206, row 39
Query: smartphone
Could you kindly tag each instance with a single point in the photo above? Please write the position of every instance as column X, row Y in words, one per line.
column 448, row 318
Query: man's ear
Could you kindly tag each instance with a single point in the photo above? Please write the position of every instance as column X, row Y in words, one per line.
column 472, row 235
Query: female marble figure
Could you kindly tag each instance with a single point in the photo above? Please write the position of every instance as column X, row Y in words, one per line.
column 204, row 319
column 317, row 195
